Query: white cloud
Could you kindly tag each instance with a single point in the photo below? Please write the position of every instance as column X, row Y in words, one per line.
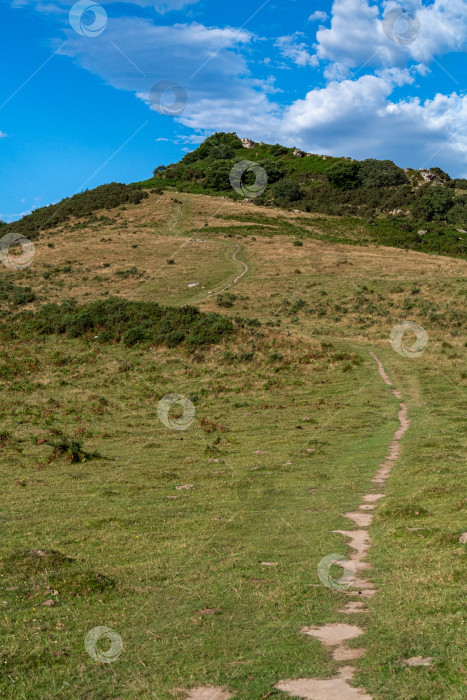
column 356, row 118
column 317, row 16
column 356, row 35
column 396, row 76
column 348, row 116
column 3, row 135
column 136, row 54
column 290, row 48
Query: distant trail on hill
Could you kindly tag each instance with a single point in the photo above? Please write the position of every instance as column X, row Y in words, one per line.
column 239, row 277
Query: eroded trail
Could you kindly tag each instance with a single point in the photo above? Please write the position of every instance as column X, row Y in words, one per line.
column 336, row 634
column 238, row 277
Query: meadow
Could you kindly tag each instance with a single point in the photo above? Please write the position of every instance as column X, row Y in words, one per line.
column 200, row 548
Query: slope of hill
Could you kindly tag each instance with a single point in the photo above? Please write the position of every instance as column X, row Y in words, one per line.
column 421, row 210
column 200, row 548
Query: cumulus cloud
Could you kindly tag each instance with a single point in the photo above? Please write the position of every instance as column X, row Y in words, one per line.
column 356, row 118
column 317, row 16
column 356, row 35
column 297, row 51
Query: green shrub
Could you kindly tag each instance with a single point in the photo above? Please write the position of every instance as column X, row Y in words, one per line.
column 286, row 191
column 226, row 300
column 221, row 145
column 80, row 205
column 115, row 319
column 381, row 173
column 344, row 175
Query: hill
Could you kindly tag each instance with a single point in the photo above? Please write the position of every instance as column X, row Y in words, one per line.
column 374, row 201
column 199, row 545
column 416, row 209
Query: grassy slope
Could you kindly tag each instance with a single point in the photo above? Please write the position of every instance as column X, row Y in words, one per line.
column 167, row 558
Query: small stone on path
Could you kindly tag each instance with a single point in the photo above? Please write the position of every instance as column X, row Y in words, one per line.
column 209, row 693
column 418, row 661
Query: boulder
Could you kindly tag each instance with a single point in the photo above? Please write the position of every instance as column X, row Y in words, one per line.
column 248, row 143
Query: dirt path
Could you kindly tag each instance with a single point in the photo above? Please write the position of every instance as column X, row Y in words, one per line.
column 336, row 634
column 237, row 278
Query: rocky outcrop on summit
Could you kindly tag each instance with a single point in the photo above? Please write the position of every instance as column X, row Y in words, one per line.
column 248, row 143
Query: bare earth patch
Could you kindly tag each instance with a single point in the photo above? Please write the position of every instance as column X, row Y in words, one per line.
column 312, row 689
column 334, row 633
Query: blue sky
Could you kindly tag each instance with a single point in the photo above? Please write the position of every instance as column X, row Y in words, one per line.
column 348, row 77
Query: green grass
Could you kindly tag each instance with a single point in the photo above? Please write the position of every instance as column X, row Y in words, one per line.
column 95, row 522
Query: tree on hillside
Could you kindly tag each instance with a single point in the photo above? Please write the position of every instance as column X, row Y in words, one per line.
column 274, row 169
column 436, row 203
column 219, row 146
column 457, row 214
column 286, row 191
column 344, row 175
column 381, row 173
column 218, row 175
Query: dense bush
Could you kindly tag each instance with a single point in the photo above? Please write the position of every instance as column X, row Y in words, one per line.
column 381, row 173
column 441, row 174
column 219, row 146
column 344, row 175
column 218, row 175
column 457, row 214
column 286, row 191
column 115, row 319
column 436, row 203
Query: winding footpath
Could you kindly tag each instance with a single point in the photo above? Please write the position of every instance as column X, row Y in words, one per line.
column 238, row 277
column 335, row 635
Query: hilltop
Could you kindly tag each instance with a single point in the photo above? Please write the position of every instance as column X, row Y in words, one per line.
column 417, row 209
column 421, row 210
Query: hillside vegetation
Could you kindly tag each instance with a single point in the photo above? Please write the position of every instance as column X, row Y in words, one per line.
column 399, row 207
